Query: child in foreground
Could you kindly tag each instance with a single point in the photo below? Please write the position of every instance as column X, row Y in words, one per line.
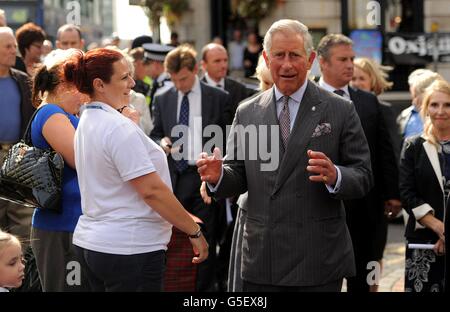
column 11, row 262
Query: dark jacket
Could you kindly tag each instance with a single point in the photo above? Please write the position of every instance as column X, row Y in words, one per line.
column 238, row 92
column 26, row 108
column 421, row 186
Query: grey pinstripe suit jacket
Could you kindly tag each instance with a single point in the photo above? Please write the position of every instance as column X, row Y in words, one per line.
column 295, row 233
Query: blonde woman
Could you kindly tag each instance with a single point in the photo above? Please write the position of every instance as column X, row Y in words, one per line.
column 424, row 188
column 263, row 75
column 370, row 76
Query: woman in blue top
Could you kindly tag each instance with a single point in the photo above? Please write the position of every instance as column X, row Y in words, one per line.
column 54, row 127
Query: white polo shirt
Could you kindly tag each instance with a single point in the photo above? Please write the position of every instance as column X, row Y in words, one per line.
column 111, row 150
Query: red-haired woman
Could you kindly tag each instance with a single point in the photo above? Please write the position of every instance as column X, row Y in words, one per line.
column 126, row 194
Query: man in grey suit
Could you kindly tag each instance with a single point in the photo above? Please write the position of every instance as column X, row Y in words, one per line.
column 295, row 236
column 195, row 105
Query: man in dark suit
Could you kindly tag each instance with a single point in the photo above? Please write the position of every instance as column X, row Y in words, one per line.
column 194, row 105
column 215, row 66
column 365, row 215
column 295, row 236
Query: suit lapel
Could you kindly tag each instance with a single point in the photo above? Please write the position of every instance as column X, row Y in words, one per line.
column 432, row 154
column 269, row 111
column 207, row 102
column 306, row 121
column 354, row 98
column 171, row 107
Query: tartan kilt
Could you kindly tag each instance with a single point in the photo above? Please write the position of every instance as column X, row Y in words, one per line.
column 180, row 275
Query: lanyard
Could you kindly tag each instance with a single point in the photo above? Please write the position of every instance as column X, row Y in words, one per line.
column 94, row 107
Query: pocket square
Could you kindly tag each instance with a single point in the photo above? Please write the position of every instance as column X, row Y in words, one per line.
column 322, row 129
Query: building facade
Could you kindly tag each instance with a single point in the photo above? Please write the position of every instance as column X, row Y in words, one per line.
column 370, row 23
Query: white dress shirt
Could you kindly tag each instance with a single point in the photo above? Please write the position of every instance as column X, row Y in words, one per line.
column 294, row 102
column 330, row 88
column 212, row 82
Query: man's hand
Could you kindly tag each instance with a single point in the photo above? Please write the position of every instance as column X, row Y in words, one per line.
column 166, row 145
column 323, row 167
column 439, row 247
column 200, row 247
column 431, row 222
column 206, row 199
column 210, row 167
column 132, row 114
column 392, row 208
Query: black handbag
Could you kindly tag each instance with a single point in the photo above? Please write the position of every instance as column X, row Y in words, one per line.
column 31, row 176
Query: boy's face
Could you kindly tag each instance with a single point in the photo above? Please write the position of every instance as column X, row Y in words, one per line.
column 11, row 266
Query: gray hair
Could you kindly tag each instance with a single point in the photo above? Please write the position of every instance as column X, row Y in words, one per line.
column 289, row 26
column 3, row 16
column 415, row 74
column 68, row 27
column 422, row 81
column 329, row 41
column 6, row 30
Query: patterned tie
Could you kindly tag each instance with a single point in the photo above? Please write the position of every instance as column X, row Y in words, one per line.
column 339, row 92
column 285, row 122
column 182, row 164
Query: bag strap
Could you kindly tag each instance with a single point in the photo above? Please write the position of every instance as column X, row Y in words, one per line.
column 27, row 135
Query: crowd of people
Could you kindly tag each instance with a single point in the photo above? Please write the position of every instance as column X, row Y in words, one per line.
column 148, row 204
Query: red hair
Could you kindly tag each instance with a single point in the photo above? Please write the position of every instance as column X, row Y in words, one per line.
column 83, row 69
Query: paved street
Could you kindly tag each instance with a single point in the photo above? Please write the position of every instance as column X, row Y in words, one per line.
column 392, row 279
column 394, row 260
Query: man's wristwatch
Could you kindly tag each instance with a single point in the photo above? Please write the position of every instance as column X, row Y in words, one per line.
column 196, row 234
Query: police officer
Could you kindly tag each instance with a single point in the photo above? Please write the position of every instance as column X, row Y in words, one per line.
column 155, row 55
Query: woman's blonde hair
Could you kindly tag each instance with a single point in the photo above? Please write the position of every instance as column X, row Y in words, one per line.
column 439, row 85
column 378, row 74
column 6, row 239
column 262, row 73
